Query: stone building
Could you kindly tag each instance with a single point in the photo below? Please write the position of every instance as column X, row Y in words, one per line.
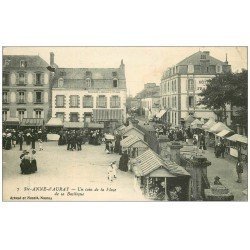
column 90, row 95
column 181, row 84
column 26, row 88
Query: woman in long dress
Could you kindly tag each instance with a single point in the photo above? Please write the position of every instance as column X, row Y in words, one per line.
column 123, row 163
column 25, row 163
column 33, row 163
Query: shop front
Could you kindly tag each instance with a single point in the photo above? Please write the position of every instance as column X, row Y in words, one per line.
column 53, row 127
column 11, row 123
column 32, row 123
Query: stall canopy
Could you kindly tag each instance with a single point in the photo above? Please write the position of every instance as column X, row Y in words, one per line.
column 107, row 114
column 189, row 119
column 238, row 138
column 130, row 127
column 73, row 125
column 151, row 164
column 94, row 125
column 218, row 127
column 109, row 137
column 224, row 133
column 54, row 122
column 12, row 121
column 210, row 123
column 196, row 124
column 32, row 122
column 131, row 140
column 161, row 113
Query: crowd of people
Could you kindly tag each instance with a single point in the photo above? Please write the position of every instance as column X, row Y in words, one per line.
column 26, row 140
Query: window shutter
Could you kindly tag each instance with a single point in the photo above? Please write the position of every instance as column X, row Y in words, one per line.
column 64, row 101
column 105, row 102
column 187, row 103
column 97, row 101
column 187, row 84
column 42, row 78
column 26, row 78
column 34, row 79
column 78, row 101
column 119, row 102
column 83, row 102
column 70, row 101
column 17, row 78
column 194, row 101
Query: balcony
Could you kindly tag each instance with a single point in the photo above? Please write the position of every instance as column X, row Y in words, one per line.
column 38, row 101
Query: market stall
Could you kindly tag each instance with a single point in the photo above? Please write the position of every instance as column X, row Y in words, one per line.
column 160, row 179
column 134, row 146
column 188, row 120
column 238, row 146
column 196, row 124
column 54, row 126
column 222, row 136
column 131, row 130
column 73, row 125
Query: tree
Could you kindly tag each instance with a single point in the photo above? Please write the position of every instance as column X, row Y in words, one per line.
column 227, row 89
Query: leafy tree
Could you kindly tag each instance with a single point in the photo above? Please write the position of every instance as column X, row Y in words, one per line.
column 227, row 89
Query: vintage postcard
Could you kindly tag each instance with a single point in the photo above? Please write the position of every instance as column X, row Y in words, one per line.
column 124, row 124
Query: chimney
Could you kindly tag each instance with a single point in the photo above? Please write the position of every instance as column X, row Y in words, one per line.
column 52, row 58
column 122, row 65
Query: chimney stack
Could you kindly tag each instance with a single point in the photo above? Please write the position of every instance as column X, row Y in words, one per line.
column 52, row 58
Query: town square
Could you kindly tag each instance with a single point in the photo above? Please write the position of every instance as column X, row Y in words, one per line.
column 104, row 131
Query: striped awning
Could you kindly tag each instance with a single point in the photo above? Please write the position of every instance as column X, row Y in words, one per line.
column 107, row 114
column 32, row 122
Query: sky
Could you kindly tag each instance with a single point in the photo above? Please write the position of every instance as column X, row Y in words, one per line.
column 142, row 64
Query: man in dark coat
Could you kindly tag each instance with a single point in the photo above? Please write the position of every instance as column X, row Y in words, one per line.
column 123, row 163
column 20, row 139
column 79, row 142
column 33, row 140
column 239, row 170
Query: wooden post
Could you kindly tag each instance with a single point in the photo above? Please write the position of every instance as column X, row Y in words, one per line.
column 166, row 196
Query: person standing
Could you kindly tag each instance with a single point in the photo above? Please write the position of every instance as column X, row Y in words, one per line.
column 28, row 141
column 222, row 149
column 239, row 170
column 33, row 164
column 217, row 149
column 33, row 140
column 20, row 140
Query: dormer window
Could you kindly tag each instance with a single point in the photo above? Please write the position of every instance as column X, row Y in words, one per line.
column 62, row 73
column 23, row 64
column 60, row 82
column 190, row 68
column 115, row 83
column 114, row 74
column 88, row 74
column 88, row 82
column 218, row 68
column 203, row 57
column 6, row 63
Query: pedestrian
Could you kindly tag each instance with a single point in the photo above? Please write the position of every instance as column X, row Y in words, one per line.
column 79, row 142
column 14, row 138
column 217, row 149
column 222, row 149
column 33, row 163
column 33, row 140
column 123, row 163
column 239, row 170
column 111, row 172
column 40, row 144
column 25, row 163
column 114, row 169
column 20, row 140
column 28, row 141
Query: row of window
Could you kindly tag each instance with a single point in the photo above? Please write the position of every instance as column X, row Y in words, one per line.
column 22, row 63
column 172, row 102
column 22, row 98
column 170, row 86
column 87, row 73
column 88, row 101
column 88, row 82
column 22, row 114
column 22, row 78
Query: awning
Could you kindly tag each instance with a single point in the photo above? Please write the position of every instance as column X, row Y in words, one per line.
column 12, row 121
column 73, row 125
column 32, row 122
column 94, row 125
column 54, row 122
column 238, row 138
column 218, row 127
column 209, row 124
column 189, row 119
column 223, row 133
column 196, row 124
column 107, row 114
column 148, row 162
column 161, row 113
column 109, row 137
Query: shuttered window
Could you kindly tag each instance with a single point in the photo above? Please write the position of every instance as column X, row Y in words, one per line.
column 59, row 101
column 74, row 102
column 115, row 102
column 190, row 84
column 22, row 78
column 88, row 101
column 101, row 101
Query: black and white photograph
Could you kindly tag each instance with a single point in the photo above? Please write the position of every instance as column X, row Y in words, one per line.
column 125, row 123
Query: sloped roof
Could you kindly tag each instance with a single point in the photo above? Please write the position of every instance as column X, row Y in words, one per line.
column 34, row 61
column 196, row 122
column 54, row 122
column 196, row 58
column 209, row 124
column 130, row 141
column 128, row 128
column 149, row 161
column 219, row 126
column 224, row 133
column 239, row 138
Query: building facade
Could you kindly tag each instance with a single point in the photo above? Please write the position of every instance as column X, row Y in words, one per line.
column 26, row 88
column 90, row 95
column 181, row 84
